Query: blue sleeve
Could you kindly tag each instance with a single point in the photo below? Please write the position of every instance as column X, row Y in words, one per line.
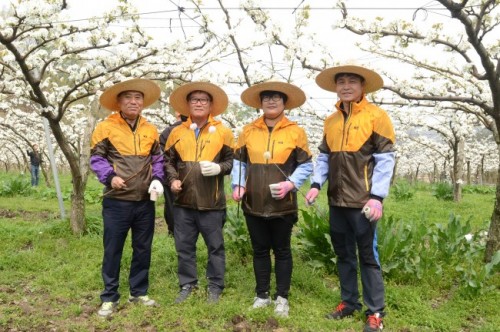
column 320, row 173
column 238, row 174
column 382, row 173
column 301, row 174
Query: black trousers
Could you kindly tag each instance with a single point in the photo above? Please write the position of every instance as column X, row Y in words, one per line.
column 351, row 230
column 119, row 217
column 189, row 224
column 266, row 234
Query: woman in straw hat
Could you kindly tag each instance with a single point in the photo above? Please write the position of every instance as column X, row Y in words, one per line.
column 357, row 158
column 127, row 159
column 272, row 160
column 199, row 152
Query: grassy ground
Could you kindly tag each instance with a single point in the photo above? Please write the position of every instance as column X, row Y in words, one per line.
column 50, row 281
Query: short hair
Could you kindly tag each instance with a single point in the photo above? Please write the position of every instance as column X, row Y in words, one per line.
column 339, row 75
column 270, row 93
column 195, row 91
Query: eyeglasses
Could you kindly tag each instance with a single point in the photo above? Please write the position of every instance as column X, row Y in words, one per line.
column 203, row 101
column 275, row 97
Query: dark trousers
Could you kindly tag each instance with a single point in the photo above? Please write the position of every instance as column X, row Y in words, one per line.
column 189, row 224
column 168, row 209
column 119, row 217
column 266, row 234
column 35, row 169
column 350, row 229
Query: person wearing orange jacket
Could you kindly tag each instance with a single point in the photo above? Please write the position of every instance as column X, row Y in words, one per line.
column 198, row 154
column 357, row 158
column 127, row 159
column 272, row 160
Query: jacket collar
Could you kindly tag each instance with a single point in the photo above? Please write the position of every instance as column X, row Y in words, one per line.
column 355, row 107
column 284, row 122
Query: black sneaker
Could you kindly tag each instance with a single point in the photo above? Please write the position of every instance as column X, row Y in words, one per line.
column 184, row 293
column 374, row 323
column 213, row 295
column 341, row 311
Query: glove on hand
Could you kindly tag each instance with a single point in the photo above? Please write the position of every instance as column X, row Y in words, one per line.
column 156, row 186
column 311, row 196
column 280, row 189
column 209, row 168
column 238, row 193
column 373, row 210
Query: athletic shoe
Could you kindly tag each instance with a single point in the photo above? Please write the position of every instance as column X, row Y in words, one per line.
column 341, row 311
column 107, row 308
column 144, row 299
column 213, row 295
column 373, row 323
column 184, row 293
column 261, row 303
column 281, row 307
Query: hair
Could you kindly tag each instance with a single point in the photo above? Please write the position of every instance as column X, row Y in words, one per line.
column 195, row 91
column 270, row 93
column 339, row 75
column 121, row 93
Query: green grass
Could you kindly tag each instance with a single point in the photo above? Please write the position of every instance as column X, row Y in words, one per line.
column 50, row 279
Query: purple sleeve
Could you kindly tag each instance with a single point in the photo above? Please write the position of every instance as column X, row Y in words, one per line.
column 157, row 164
column 102, row 168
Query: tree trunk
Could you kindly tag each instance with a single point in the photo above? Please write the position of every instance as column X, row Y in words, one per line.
column 468, row 173
column 493, row 242
column 458, row 170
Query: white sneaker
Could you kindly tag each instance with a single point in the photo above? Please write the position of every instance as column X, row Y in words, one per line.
column 281, row 307
column 107, row 308
column 261, row 303
column 143, row 299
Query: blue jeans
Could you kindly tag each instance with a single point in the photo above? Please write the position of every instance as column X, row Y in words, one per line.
column 34, row 175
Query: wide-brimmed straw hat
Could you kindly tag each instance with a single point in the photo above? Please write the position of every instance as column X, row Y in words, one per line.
column 149, row 89
column 295, row 96
column 178, row 98
column 326, row 79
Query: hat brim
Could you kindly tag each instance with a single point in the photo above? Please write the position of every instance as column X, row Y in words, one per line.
column 178, row 98
column 295, row 96
column 326, row 79
column 149, row 89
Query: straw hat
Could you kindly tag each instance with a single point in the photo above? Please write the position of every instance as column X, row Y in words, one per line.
column 296, row 97
column 178, row 98
column 326, row 79
column 150, row 90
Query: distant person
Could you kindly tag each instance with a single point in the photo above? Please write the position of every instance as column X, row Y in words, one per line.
column 127, row 159
column 272, row 160
column 357, row 158
column 168, row 210
column 198, row 154
column 35, row 161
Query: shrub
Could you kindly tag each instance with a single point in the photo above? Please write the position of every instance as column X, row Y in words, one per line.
column 236, row 234
column 15, row 186
column 314, row 240
column 402, row 191
column 443, row 191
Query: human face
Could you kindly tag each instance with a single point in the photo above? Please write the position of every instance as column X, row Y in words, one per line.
column 200, row 106
column 349, row 88
column 273, row 106
column 131, row 104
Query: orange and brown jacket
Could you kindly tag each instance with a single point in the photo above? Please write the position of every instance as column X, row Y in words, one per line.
column 184, row 151
column 356, row 155
column 287, row 158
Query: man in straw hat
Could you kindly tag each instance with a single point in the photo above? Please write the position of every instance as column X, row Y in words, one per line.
column 127, row 159
column 357, row 157
column 198, row 154
column 272, row 160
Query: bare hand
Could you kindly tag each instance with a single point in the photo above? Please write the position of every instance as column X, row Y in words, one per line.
column 118, row 183
column 176, row 186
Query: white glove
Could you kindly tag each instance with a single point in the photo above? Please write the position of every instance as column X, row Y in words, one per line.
column 209, row 168
column 156, row 186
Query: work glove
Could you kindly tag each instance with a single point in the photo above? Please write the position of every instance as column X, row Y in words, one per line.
column 209, row 168
column 372, row 210
column 156, row 186
column 311, row 196
column 238, row 193
column 279, row 190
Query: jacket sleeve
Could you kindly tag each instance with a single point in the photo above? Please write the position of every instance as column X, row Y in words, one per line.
column 320, row 173
column 157, row 162
column 170, row 160
column 238, row 174
column 227, row 153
